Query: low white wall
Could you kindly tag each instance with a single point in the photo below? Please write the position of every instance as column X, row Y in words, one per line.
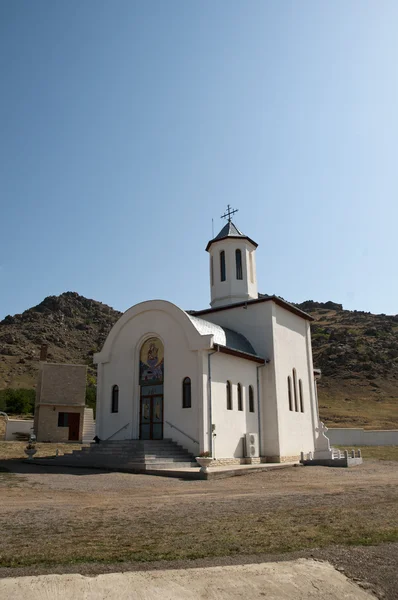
column 362, row 437
column 18, row 425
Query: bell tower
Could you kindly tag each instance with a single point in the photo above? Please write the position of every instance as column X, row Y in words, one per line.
column 232, row 265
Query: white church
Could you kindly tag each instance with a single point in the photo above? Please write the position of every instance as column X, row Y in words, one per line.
column 236, row 379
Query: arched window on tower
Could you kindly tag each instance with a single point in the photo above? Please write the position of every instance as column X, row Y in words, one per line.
column 115, row 399
column 251, row 398
column 238, row 260
column 211, row 270
column 301, row 396
column 186, row 393
column 223, row 274
column 251, row 267
column 289, row 391
column 295, row 390
column 240, row 399
column 229, row 395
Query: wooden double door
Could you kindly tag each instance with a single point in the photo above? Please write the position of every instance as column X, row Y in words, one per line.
column 74, row 425
column 151, row 412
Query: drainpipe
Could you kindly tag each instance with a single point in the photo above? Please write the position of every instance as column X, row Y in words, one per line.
column 259, row 404
column 210, row 409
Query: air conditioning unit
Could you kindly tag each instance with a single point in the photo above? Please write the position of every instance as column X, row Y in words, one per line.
column 252, row 445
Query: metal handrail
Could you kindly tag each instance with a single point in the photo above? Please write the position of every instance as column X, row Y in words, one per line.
column 111, row 436
column 183, row 432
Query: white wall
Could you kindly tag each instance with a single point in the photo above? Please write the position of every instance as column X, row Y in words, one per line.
column 296, row 429
column 256, row 323
column 231, row 425
column 18, row 426
column 362, row 437
column 123, row 370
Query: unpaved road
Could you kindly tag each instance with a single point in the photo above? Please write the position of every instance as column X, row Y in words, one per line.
column 85, row 521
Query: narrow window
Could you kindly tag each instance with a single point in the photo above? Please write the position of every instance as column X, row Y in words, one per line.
column 295, row 390
column 251, row 399
column 289, row 390
column 238, row 259
column 251, row 267
column 115, row 399
column 62, row 419
column 229, row 395
column 211, row 270
column 222, row 266
column 240, row 401
column 186, row 393
column 301, row 395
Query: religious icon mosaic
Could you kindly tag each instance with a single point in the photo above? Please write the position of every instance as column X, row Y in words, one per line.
column 151, row 362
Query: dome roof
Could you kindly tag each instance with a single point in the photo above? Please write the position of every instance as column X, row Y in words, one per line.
column 223, row 336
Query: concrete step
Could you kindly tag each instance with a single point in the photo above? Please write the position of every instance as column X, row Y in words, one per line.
column 138, row 455
column 131, row 452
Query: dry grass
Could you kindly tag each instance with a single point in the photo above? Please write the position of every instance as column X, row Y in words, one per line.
column 9, row 450
column 362, row 403
column 377, row 452
column 47, row 519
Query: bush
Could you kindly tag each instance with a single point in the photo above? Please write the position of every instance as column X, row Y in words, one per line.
column 17, row 402
column 91, row 392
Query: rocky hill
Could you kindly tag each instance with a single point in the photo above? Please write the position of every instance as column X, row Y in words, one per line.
column 358, row 355
column 74, row 328
column 356, row 351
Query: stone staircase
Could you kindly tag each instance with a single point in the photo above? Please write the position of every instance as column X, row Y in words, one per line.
column 130, row 455
column 88, row 426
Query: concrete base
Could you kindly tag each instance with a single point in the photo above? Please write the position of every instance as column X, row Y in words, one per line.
column 299, row 580
column 332, row 462
column 181, row 473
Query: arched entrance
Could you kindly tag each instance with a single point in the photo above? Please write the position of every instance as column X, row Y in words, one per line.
column 151, row 389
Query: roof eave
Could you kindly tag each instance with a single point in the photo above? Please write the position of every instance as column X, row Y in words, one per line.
column 276, row 299
column 240, row 354
column 231, row 237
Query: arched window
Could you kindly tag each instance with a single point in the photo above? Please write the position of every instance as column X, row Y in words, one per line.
column 251, row 267
column 238, row 260
column 211, row 270
column 186, row 393
column 229, row 395
column 240, row 400
column 301, row 395
column 115, row 399
column 251, row 399
column 295, row 390
column 223, row 275
column 289, row 391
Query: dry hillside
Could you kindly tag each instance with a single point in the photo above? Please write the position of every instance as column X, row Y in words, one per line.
column 357, row 352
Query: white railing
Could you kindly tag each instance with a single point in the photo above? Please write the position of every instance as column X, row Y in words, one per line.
column 116, row 432
column 183, row 432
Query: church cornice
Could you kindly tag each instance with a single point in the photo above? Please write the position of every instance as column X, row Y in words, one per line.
column 230, row 237
column 276, row 299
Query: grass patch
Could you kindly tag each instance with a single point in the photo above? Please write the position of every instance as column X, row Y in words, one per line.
column 376, row 452
column 372, row 404
column 14, row 450
column 203, row 530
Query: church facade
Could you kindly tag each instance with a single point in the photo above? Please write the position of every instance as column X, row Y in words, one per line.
column 236, row 379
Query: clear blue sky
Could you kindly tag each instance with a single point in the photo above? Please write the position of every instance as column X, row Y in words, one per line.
column 125, row 126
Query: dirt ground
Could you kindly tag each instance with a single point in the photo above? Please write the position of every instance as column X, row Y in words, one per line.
column 90, row 521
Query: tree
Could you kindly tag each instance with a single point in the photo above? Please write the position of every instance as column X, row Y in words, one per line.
column 91, row 392
column 17, row 401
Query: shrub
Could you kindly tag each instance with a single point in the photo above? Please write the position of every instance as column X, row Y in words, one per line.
column 91, row 392
column 17, row 401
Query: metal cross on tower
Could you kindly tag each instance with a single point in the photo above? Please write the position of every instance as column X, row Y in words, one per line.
column 229, row 212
